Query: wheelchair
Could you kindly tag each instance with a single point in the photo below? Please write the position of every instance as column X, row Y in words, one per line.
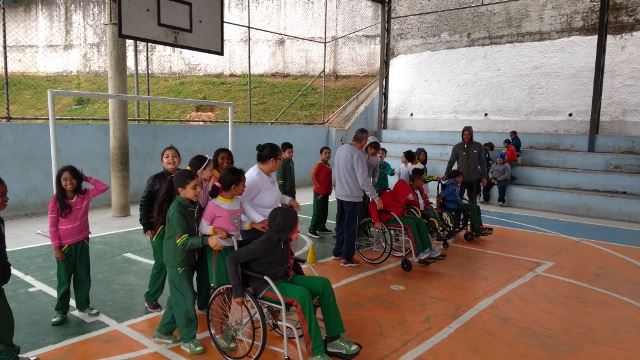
column 247, row 324
column 375, row 246
column 453, row 221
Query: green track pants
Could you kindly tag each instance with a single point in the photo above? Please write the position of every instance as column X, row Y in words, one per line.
column 320, row 212
column 74, row 268
column 418, row 232
column 203, row 277
column 300, row 291
column 474, row 214
column 8, row 350
column 179, row 312
column 158, row 275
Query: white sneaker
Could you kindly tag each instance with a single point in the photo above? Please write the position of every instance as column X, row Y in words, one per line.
column 434, row 253
column 423, row 255
column 501, row 204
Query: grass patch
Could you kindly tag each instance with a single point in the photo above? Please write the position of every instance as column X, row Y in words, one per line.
column 271, row 94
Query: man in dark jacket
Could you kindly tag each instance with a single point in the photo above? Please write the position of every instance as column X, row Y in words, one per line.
column 469, row 155
column 271, row 255
column 8, row 350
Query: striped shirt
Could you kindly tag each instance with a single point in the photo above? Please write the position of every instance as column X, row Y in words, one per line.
column 74, row 227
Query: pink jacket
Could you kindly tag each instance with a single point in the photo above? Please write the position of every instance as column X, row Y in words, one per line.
column 74, row 227
column 225, row 214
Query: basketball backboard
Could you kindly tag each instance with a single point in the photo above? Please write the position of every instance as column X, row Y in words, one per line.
column 187, row 24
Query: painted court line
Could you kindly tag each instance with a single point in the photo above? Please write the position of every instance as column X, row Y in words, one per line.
column 138, row 258
column 561, row 219
column 69, row 341
column 365, row 274
column 620, row 297
column 444, row 333
column 40, row 232
column 504, row 254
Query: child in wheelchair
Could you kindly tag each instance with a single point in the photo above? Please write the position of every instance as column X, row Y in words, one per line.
column 395, row 201
column 451, row 199
column 421, row 206
column 271, row 255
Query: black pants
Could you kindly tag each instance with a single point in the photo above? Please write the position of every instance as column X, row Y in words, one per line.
column 472, row 188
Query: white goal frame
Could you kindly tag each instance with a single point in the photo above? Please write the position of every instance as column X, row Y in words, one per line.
column 52, row 94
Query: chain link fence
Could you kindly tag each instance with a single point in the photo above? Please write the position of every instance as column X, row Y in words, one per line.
column 293, row 63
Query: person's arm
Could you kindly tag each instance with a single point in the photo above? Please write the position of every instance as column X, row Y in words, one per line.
column 373, row 211
column 250, row 193
column 97, row 186
column 183, row 239
column 507, row 173
column 315, row 175
column 281, row 174
column 147, row 203
column 252, row 251
column 54, row 218
column 483, row 163
column 208, row 217
column 363, row 179
column 5, row 266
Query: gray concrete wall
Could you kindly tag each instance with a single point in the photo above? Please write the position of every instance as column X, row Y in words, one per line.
column 26, row 166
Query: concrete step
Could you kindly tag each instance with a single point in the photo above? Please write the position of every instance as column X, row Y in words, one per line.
column 565, row 142
column 557, row 178
column 609, row 162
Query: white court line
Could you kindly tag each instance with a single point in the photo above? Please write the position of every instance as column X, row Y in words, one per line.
column 457, row 323
column 69, row 341
column 130, row 355
column 560, row 219
column 504, row 254
column 143, row 318
column 614, row 253
column 306, row 247
column 40, row 232
column 365, row 274
column 138, row 258
column 620, row 297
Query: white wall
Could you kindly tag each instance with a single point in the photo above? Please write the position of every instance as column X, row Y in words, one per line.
column 531, row 87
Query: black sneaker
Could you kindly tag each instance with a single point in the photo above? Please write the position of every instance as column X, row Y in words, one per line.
column 325, row 231
column 314, row 234
column 153, row 306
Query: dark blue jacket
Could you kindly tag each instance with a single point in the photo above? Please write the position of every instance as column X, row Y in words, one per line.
column 517, row 143
column 5, row 267
column 451, row 195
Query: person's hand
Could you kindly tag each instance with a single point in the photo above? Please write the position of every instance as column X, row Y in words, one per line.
column 239, row 301
column 214, row 243
column 221, row 233
column 320, row 196
column 149, row 233
column 294, row 204
column 484, row 182
column 378, row 226
column 58, row 254
column 379, row 204
column 494, row 181
column 443, row 177
column 262, row 226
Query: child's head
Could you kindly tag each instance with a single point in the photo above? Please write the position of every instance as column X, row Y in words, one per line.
column 488, row 146
column 500, row 158
column 231, row 182
column 455, row 175
column 4, row 195
column 506, row 143
column 408, row 157
column 68, row 184
column 382, row 154
column 222, row 159
column 325, row 153
column 287, row 150
column 513, row 134
column 170, row 159
column 421, row 156
column 202, row 165
column 373, row 146
column 282, row 221
column 417, row 178
column 184, row 183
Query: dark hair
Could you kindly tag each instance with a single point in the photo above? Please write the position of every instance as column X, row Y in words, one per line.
column 409, row 155
column 507, row 141
column 218, row 152
column 322, row 149
column 198, row 162
column 286, row 146
column 454, row 174
column 2, row 182
column 168, row 193
column 267, row 151
column 489, row 145
column 383, row 150
column 170, row 147
column 417, row 173
column 373, row 144
column 61, row 194
column 233, row 176
column 360, row 135
column 514, row 132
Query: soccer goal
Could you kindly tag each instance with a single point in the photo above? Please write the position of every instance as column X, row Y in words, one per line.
column 53, row 94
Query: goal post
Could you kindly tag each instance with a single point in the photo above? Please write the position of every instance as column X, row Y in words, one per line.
column 53, row 94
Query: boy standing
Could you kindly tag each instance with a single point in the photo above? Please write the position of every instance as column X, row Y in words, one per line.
column 385, row 171
column 286, row 174
column 322, row 187
column 8, row 350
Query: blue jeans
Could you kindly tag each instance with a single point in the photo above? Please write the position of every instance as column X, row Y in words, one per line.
column 502, row 190
column 346, row 229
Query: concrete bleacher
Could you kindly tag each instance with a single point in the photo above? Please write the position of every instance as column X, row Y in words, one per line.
column 557, row 173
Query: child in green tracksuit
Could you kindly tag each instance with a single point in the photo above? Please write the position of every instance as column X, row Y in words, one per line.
column 385, row 171
column 271, row 255
column 180, row 244
column 286, row 174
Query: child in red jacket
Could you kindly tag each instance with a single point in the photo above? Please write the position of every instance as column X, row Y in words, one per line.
column 395, row 201
column 322, row 187
column 511, row 153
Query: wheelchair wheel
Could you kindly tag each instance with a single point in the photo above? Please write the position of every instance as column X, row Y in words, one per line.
column 398, row 249
column 372, row 245
column 273, row 316
column 453, row 221
column 406, row 265
column 468, row 236
column 243, row 325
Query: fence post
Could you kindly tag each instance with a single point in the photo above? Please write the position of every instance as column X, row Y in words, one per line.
column 6, row 69
column 324, row 64
column 136, row 80
column 148, row 84
column 249, row 90
column 598, row 77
